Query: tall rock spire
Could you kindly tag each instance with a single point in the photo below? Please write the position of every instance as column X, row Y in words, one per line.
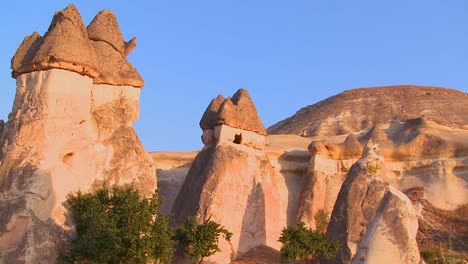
column 70, row 129
column 232, row 180
column 360, row 220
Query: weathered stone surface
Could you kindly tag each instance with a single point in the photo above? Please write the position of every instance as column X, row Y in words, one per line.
column 55, row 49
column 211, row 113
column 391, row 236
column 236, row 188
column 232, row 181
column 357, row 206
column 237, row 111
column 67, row 132
column 443, row 229
column 359, row 109
column 418, row 152
column 171, row 170
column 64, row 134
column 22, row 60
column 104, row 27
column 111, row 50
column 99, row 54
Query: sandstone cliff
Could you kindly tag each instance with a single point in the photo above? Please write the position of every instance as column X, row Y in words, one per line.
column 232, row 181
column 70, row 129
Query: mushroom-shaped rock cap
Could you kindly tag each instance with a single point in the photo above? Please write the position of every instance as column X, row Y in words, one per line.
column 98, row 51
column 211, row 113
column 65, row 46
column 111, row 50
column 104, row 27
column 237, row 111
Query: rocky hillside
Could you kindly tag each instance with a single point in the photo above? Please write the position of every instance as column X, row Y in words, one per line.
column 358, row 109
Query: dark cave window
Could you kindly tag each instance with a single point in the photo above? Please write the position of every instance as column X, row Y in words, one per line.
column 238, row 139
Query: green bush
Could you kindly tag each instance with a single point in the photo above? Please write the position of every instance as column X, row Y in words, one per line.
column 300, row 242
column 201, row 240
column 118, row 226
column 321, row 220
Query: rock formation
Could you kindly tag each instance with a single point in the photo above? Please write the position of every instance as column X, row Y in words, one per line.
column 70, row 129
column 326, row 173
column 418, row 152
column 428, row 150
column 372, row 221
column 359, row 109
column 231, row 180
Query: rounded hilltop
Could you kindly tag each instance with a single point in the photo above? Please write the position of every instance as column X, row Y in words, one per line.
column 358, row 109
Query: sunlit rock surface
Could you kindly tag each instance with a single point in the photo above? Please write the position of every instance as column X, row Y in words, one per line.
column 67, row 132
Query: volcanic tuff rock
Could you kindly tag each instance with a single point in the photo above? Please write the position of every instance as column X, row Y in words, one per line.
column 371, row 220
column 66, row 132
column 233, row 182
column 98, row 52
column 237, row 111
column 418, row 152
column 440, row 231
column 359, row 109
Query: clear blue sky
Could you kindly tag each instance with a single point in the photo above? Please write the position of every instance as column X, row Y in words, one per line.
column 287, row 54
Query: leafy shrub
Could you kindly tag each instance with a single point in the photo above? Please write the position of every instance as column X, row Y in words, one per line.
column 201, row 240
column 321, row 220
column 118, row 226
column 300, row 242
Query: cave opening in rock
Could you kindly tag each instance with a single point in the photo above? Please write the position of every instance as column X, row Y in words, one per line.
column 238, row 138
column 67, row 158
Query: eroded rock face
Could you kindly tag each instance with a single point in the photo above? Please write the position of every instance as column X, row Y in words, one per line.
column 65, row 133
column 101, row 54
column 233, row 182
column 237, row 111
column 360, row 109
column 360, row 218
column 391, row 236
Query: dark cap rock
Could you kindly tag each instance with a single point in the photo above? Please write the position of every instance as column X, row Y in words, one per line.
column 98, row 51
column 104, row 27
column 65, row 46
column 211, row 113
column 237, row 111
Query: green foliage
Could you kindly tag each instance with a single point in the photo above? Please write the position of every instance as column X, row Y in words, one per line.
column 300, row 242
column 321, row 220
column 201, row 240
column 118, row 226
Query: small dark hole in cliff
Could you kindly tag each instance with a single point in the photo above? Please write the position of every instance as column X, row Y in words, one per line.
column 238, row 139
column 66, row 159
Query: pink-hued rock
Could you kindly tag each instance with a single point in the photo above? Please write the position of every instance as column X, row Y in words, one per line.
column 111, row 50
column 359, row 221
column 233, row 182
column 356, row 110
column 237, row 111
column 104, row 27
column 236, row 188
column 66, row 132
column 98, row 51
column 65, row 46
